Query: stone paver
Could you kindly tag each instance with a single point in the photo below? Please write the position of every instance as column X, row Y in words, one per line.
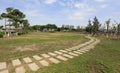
column 3, row 65
column 54, row 60
column 63, row 51
column 20, row 69
column 33, row 66
column 4, row 71
column 52, row 54
column 62, row 58
column 27, row 60
column 36, row 57
column 68, row 56
column 16, row 62
column 45, row 55
column 68, row 50
column 78, row 52
column 57, row 52
column 44, row 63
column 73, row 54
column 82, row 51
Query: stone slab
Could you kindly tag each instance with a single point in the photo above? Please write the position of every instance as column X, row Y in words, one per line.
column 36, row 57
column 82, row 51
column 45, row 55
column 68, row 50
column 33, row 66
column 20, row 69
column 73, row 54
column 54, row 60
column 77, row 52
column 27, row 60
column 62, row 58
column 63, row 51
column 44, row 63
column 57, row 52
column 68, row 56
column 52, row 54
column 16, row 62
column 3, row 65
column 4, row 71
column 86, row 50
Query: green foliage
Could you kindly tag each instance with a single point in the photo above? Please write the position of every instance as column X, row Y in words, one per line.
column 118, row 29
column 67, row 28
column 15, row 17
column 89, row 27
column 1, row 27
column 51, row 26
column 108, row 24
column 42, row 27
column 1, row 34
column 96, row 26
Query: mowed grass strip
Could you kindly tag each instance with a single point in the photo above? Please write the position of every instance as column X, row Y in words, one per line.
column 104, row 58
column 36, row 43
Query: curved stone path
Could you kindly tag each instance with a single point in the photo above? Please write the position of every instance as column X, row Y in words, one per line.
column 36, row 61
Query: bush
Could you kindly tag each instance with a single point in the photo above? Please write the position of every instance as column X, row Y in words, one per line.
column 22, row 33
column 1, row 34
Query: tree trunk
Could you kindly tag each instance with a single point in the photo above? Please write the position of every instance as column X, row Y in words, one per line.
column 5, row 28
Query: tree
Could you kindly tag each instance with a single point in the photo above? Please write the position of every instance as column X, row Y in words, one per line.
column 96, row 26
column 78, row 28
column 25, row 25
column 4, row 16
column 118, row 30
column 51, row 27
column 108, row 25
column 89, row 27
column 1, row 27
column 15, row 18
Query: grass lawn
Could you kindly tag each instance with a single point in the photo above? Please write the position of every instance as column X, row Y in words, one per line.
column 105, row 58
column 37, row 42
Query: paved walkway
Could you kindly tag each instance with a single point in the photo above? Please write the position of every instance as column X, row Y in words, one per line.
column 36, row 61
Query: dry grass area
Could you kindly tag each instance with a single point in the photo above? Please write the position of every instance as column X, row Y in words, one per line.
column 37, row 42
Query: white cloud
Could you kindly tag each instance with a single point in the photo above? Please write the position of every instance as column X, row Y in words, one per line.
column 62, row 3
column 99, row 0
column 32, row 13
column 81, row 10
column 104, row 6
column 50, row 1
column 76, row 15
column 80, row 5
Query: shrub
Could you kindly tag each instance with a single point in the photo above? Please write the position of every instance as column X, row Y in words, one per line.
column 1, row 34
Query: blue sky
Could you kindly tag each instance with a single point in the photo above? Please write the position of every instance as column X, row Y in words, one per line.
column 73, row 12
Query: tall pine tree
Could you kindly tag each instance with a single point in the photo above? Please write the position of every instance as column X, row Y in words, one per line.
column 96, row 26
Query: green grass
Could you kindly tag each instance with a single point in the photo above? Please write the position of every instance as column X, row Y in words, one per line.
column 105, row 58
column 39, row 42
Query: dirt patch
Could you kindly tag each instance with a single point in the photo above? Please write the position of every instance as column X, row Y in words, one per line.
column 96, row 67
column 48, row 45
column 31, row 47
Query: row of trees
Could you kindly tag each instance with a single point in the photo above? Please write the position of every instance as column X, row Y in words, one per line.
column 14, row 19
column 52, row 27
column 48, row 27
column 96, row 28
